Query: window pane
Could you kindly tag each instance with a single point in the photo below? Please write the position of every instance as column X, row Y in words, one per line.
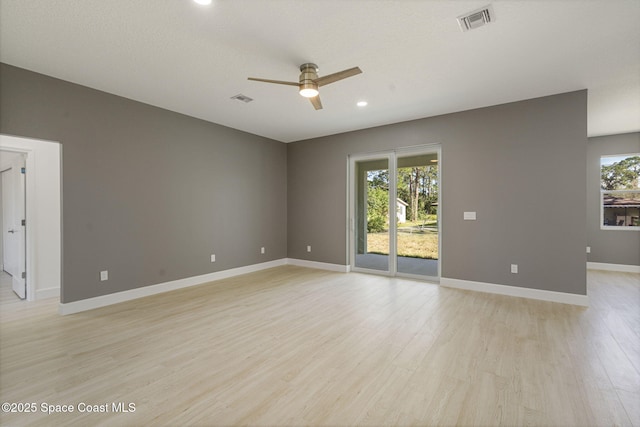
column 417, row 214
column 620, row 172
column 621, row 208
column 372, row 214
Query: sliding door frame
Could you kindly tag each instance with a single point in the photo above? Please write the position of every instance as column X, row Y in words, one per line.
column 389, row 156
column 392, row 159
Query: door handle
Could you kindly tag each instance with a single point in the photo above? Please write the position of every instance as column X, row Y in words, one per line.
column 12, row 231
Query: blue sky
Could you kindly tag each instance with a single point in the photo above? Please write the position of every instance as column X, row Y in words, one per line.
column 609, row 160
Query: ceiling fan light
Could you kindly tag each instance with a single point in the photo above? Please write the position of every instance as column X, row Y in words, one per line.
column 309, row 90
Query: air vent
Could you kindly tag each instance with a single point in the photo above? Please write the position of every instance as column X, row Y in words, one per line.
column 475, row 19
column 243, row 98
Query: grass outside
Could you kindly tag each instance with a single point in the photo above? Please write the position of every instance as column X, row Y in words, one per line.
column 429, row 221
column 411, row 243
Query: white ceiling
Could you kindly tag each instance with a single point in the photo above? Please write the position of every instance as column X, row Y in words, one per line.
column 416, row 62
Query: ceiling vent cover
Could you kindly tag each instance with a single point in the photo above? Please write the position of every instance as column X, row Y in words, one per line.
column 243, row 98
column 477, row 18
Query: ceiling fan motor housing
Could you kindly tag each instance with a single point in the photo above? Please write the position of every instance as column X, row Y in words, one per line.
column 309, row 72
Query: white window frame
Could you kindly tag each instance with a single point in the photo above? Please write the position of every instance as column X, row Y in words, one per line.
column 613, row 192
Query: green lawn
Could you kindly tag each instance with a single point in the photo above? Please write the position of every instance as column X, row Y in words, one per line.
column 411, row 242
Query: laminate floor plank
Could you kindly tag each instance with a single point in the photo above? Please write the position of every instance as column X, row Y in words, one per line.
column 293, row 346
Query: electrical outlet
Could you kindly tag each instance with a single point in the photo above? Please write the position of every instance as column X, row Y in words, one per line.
column 262, row 250
column 213, row 257
column 514, row 268
column 104, row 275
column 309, row 248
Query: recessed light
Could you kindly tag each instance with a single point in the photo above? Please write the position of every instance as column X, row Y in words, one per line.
column 203, row 2
column 362, row 103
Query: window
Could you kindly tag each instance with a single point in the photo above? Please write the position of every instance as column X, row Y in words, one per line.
column 620, row 192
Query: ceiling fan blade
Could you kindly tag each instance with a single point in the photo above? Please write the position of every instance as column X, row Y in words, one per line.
column 331, row 78
column 315, row 101
column 280, row 82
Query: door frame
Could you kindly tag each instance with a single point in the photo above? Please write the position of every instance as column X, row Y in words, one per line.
column 392, row 156
column 389, row 156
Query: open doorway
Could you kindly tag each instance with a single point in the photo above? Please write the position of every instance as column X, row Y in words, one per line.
column 43, row 214
column 394, row 212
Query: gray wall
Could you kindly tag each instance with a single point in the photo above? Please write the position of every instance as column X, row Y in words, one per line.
column 608, row 246
column 149, row 194
column 520, row 166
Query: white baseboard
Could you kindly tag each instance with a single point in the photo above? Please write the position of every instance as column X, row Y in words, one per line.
column 319, row 265
column 47, row 293
column 145, row 291
column 624, row 268
column 118, row 297
column 515, row 291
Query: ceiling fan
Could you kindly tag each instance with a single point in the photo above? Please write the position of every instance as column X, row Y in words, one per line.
column 310, row 82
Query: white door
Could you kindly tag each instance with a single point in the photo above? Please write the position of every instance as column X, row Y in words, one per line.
column 14, row 232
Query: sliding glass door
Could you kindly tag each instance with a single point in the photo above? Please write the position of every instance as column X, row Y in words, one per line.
column 394, row 212
column 418, row 226
column 371, row 214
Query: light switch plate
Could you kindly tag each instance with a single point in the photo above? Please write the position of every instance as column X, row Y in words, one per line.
column 469, row 216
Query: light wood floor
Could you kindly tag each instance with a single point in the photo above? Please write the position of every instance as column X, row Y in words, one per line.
column 7, row 296
column 295, row 346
